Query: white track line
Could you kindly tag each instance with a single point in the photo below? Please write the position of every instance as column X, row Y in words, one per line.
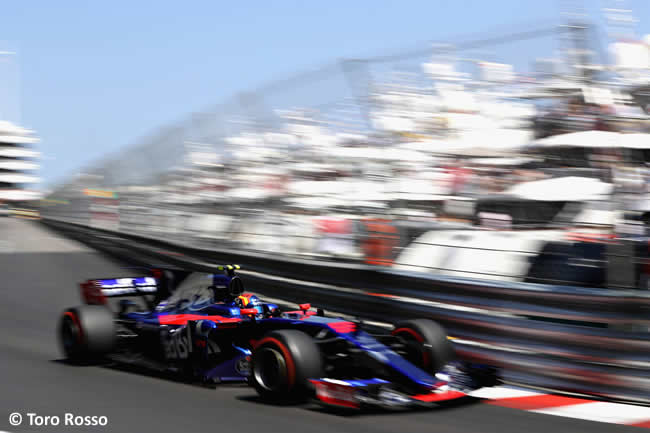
column 601, row 411
column 500, row 392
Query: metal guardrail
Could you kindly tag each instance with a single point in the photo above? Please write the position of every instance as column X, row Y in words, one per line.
column 591, row 341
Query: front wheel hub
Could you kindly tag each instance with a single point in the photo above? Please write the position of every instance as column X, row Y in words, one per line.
column 270, row 369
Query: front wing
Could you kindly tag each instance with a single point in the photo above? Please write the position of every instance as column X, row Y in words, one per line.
column 355, row 394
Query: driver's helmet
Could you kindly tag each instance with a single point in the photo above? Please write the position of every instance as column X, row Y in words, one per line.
column 248, row 300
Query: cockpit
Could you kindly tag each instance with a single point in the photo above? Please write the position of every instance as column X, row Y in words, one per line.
column 214, row 294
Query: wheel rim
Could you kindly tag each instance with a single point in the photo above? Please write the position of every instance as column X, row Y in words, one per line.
column 270, row 369
column 69, row 335
column 415, row 352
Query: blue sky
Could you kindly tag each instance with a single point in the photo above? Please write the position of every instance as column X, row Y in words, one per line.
column 95, row 76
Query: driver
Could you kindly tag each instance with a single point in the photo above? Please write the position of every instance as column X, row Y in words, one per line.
column 229, row 290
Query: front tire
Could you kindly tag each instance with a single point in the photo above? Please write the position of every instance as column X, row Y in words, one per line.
column 426, row 344
column 282, row 364
column 86, row 332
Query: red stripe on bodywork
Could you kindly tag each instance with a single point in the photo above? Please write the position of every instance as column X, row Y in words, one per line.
column 331, row 393
column 342, row 327
column 181, row 319
column 534, row 402
column 305, row 314
column 645, row 424
column 431, row 397
column 337, row 402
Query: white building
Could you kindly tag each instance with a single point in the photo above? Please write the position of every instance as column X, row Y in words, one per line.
column 18, row 164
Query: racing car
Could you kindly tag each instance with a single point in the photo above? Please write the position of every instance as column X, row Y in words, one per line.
column 208, row 329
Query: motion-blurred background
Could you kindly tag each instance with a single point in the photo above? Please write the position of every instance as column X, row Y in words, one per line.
column 487, row 154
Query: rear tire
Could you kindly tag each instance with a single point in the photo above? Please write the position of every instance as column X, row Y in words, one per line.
column 282, row 363
column 426, row 342
column 87, row 332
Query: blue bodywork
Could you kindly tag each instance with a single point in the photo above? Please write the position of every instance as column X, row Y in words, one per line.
column 216, row 336
column 207, row 329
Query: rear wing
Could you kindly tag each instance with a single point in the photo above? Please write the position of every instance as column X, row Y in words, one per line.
column 96, row 292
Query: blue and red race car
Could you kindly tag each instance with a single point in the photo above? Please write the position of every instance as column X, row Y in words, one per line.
column 208, row 329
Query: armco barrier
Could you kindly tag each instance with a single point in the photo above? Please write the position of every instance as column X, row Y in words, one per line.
column 591, row 341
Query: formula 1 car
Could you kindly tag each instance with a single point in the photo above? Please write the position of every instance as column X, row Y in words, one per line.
column 207, row 329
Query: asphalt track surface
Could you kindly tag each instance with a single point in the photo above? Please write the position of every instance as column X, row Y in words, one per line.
column 39, row 273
